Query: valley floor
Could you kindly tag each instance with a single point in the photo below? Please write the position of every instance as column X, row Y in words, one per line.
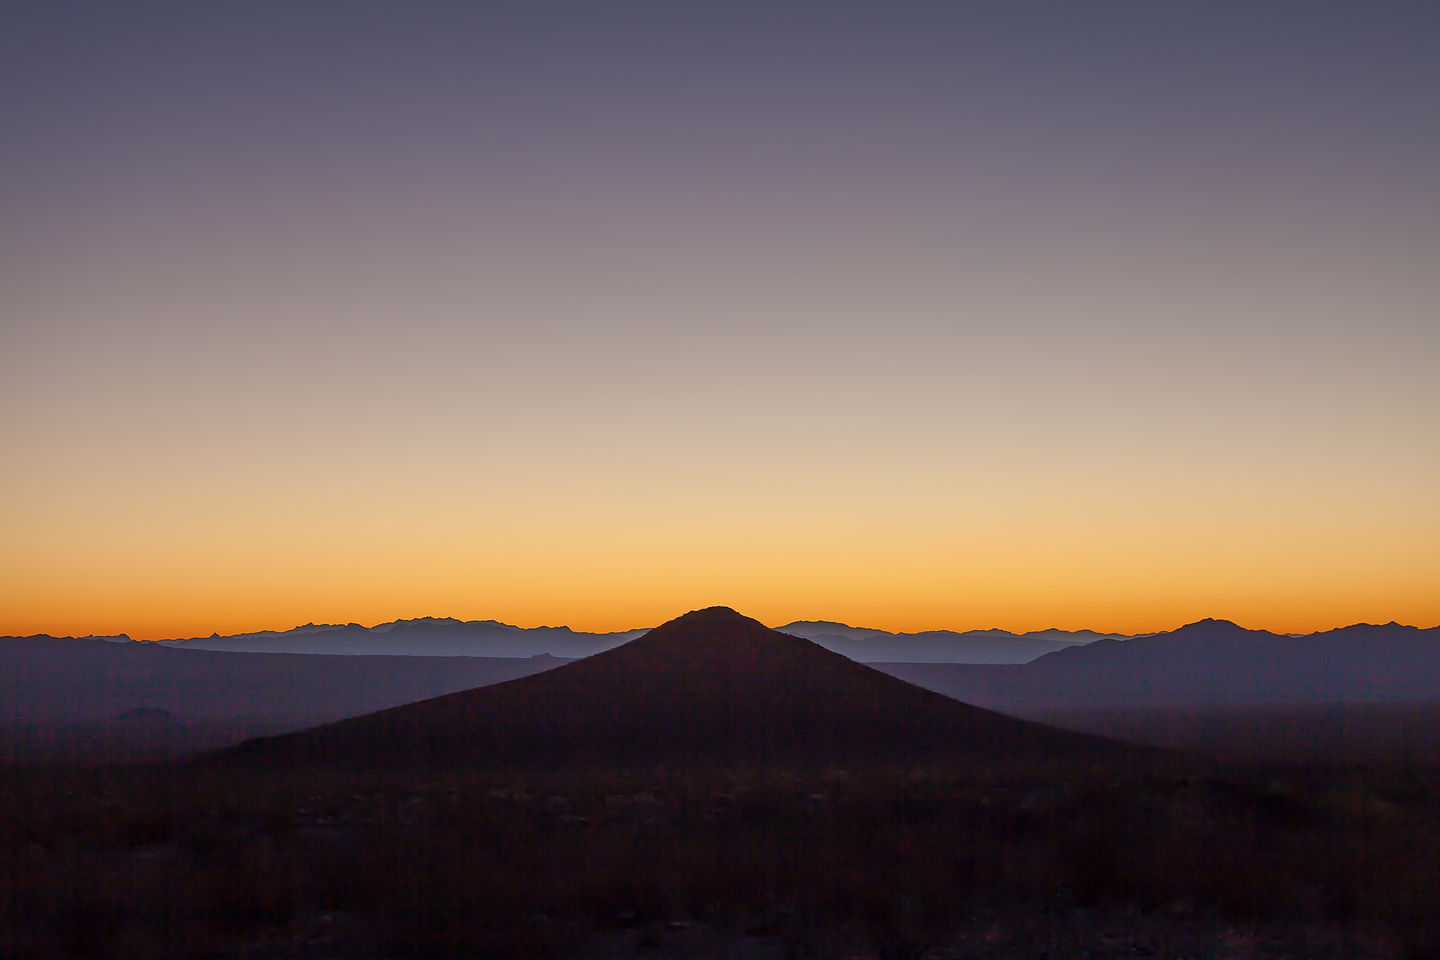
column 1181, row 859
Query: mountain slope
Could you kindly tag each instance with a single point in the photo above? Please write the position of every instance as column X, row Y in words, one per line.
column 1207, row 663
column 710, row 686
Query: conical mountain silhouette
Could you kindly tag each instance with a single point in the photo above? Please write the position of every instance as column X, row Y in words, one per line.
column 710, row 686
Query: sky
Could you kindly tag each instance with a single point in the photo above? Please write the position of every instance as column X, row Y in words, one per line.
column 979, row 314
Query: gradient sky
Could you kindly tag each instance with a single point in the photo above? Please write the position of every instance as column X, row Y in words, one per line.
column 1017, row 314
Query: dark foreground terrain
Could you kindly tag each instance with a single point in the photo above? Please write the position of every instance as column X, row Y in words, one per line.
column 716, row 789
column 1055, row 861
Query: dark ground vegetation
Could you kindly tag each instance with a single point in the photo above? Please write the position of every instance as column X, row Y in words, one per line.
column 1190, row 859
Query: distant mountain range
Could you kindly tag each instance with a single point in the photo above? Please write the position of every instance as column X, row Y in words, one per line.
column 72, row 696
column 422, row 637
column 48, row 678
column 1207, row 663
column 448, row 637
column 940, row 646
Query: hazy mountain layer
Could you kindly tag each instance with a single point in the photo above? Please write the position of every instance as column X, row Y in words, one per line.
column 939, row 646
column 45, row 680
column 69, row 696
column 423, row 637
column 447, row 637
column 431, row 636
column 1211, row 662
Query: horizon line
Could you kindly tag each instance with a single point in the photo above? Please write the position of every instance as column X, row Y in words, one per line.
column 553, row 626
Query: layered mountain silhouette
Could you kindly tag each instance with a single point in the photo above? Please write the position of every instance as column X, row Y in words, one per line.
column 869, row 645
column 446, row 636
column 1206, row 663
column 421, row 637
column 48, row 680
column 710, row 686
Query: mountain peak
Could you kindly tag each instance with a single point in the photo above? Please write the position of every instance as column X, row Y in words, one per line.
column 1211, row 625
column 709, row 626
column 712, row 617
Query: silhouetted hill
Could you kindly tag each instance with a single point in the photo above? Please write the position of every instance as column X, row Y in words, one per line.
column 710, row 686
column 1207, row 663
column 938, row 646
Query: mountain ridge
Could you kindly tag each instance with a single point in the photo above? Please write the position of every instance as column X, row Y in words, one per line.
column 451, row 637
column 1205, row 663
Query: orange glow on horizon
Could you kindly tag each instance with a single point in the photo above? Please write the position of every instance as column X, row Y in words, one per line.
column 1012, row 611
column 827, row 337
column 241, row 554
